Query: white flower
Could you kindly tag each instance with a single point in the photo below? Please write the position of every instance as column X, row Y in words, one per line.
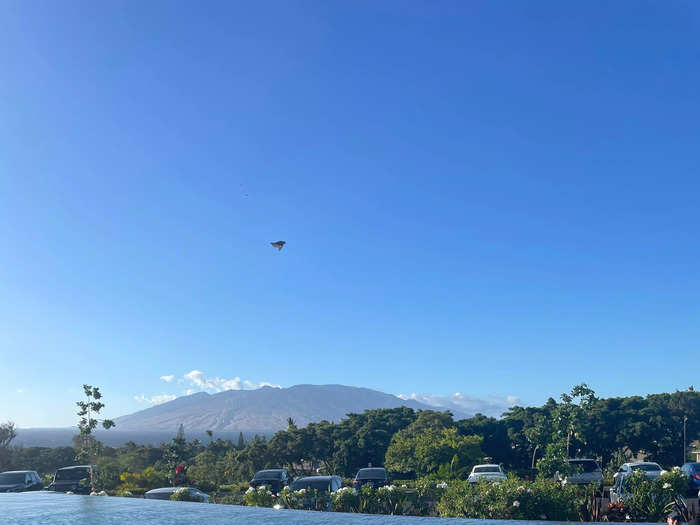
column 529, row 491
column 564, row 482
column 277, row 506
column 521, row 489
column 262, row 487
column 441, row 485
column 667, row 485
column 301, row 491
column 250, row 489
column 404, row 486
column 516, row 503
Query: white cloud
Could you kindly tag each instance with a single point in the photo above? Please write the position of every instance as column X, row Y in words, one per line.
column 189, row 392
column 168, row 379
column 198, row 379
column 463, row 406
column 155, row 400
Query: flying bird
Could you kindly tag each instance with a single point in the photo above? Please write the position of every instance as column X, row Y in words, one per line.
column 278, row 244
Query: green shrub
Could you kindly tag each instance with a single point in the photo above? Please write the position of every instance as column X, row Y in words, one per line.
column 259, row 497
column 183, row 494
column 512, row 499
column 649, row 499
column 345, row 499
column 293, row 499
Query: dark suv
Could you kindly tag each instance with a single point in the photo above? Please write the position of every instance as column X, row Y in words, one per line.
column 20, row 481
column 375, row 476
column 73, row 479
column 276, row 479
column 692, row 470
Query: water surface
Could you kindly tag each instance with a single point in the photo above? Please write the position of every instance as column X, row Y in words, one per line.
column 51, row 508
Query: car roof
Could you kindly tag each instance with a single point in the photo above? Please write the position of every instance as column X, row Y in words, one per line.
column 17, row 471
column 487, row 465
column 76, row 466
column 581, row 459
column 313, row 478
column 639, row 463
column 164, row 490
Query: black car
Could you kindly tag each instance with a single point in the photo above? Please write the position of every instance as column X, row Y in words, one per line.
column 20, row 481
column 74, row 479
column 370, row 476
column 276, row 479
column 319, row 489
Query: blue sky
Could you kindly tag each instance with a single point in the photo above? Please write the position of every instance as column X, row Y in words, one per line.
column 498, row 199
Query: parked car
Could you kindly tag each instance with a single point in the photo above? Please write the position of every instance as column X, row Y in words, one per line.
column 276, row 479
column 488, row 472
column 585, row 472
column 166, row 492
column 73, row 479
column 375, row 476
column 20, row 481
column 328, row 484
column 692, row 470
column 618, row 491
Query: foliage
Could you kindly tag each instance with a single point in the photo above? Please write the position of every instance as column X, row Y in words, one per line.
column 648, row 499
column 259, row 497
column 7, row 434
column 345, row 499
column 183, row 494
column 424, row 446
column 554, row 463
column 88, row 447
column 511, row 499
column 293, row 499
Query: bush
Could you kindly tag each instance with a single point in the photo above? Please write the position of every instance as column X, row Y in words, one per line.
column 346, row 499
column 391, row 500
column 260, row 497
column 649, row 499
column 183, row 494
column 293, row 499
column 512, row 499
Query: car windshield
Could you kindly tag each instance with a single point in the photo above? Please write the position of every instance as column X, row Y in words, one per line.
column 11, row 478
column 72, row 474
column 647, row 468
column 584, row 466
column 268, row 474
column 320, row 485
column 371, row 473
column 486, row 469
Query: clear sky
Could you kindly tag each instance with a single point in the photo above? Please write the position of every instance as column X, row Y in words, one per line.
column 499, row 199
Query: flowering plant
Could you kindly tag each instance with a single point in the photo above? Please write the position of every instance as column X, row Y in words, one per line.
column 259, row 497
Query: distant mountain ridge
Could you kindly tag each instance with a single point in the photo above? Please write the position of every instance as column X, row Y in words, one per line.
column 263, row 410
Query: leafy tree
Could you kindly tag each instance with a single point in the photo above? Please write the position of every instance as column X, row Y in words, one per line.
column 420, row 450
column 88, row 447
column 7, row 434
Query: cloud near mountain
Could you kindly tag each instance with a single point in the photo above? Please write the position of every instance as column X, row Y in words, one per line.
column 462, row 405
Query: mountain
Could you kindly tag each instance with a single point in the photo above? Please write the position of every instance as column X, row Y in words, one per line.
column 263, row 410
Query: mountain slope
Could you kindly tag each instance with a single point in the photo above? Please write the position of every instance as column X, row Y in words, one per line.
column 262, row 410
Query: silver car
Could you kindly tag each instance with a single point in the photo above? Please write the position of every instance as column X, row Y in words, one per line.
column 166, row 492
column 488, row 472
column 619, row 489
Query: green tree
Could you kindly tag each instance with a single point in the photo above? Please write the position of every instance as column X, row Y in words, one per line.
column 424, row 451
column 88, row 447
column 7, row 434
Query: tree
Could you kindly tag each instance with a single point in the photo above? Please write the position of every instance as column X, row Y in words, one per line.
column 7, row 434
column 88, row 446
column 241, row 441
column 431, row 444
